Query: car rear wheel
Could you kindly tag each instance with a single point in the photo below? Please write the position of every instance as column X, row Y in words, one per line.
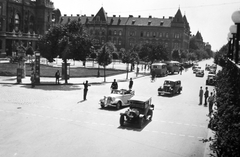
column 140, row 122
column 150, row 114
column 122, row 120
column 119, row 104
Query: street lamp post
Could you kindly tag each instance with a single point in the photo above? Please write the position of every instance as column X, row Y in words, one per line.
column 233, row 30
column 230, row 37
column 236, row 20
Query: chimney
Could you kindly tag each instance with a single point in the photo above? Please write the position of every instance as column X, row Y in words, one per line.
column 130, row 15
column 170, row 17
column 77, row 15
column 139, row 16
column 114, row 15
column 65, row 14
column 150, row 17
column 163, row 17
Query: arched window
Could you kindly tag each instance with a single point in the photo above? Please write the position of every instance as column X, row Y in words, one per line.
column 16, row 22
column 31, row 24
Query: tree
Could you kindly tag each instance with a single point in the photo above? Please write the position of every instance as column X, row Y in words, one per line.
column 226, row 121
column 150, row 53
column 130, row 57
column 176, row 55
column 68, row 41
column 105, row 56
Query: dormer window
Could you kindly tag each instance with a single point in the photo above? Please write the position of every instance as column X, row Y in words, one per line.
column 161, row 23
column 98, row 18
column 133, row 22
column 149, row 22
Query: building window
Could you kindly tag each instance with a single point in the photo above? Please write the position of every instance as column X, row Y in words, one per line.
column 98, row 18
column 0, row 24
column 120, row 33
column 16, row 22
column 0, row 8
column 166, row 35
column 103, row 32
column 154, row 34
column 119, row 42
column 141, row 34
column 147, row 34
column 160, row 35
column 115, row 32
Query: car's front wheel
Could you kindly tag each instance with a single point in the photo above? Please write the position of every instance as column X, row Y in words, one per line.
column 118, row 105
column 122, row 120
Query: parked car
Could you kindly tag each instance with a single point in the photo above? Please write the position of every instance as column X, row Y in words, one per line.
column 139, row 111
column 196, row 69
column 211, row 79
column 170, row 87
column 117, row 99
column 200, row 73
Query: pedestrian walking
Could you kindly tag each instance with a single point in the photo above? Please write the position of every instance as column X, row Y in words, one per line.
column 32, row 79
column 206, row 94
column 181, row 69
column 210, row 105
column 137, row 72
column 114, row 86
column 130, row 84
column 85, row 90
column 200, row 95
column 57, row 76
column 153, row 75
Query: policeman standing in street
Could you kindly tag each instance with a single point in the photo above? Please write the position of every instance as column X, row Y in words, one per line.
column 85, row 90
column 32, row 79
column 200, row 95
column 206, row 94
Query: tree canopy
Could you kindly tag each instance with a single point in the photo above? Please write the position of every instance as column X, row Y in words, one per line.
column 70, row 38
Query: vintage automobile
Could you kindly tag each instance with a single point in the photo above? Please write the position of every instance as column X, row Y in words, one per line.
column 170, row 87
column 211, row 79
column 196, row 69
column 139, row 111
column 200, row 73
column 117, row 99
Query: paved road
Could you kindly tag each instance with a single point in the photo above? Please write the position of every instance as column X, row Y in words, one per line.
column 53, row 121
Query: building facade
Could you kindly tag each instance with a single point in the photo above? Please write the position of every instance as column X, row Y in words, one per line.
column 21, row 23
column 124, row 32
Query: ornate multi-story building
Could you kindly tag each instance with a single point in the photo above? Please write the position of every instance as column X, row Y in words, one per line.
column 22, row 21
column 124, row 32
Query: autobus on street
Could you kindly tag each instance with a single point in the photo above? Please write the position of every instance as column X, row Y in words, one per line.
column 173, row 66
column 159, row 68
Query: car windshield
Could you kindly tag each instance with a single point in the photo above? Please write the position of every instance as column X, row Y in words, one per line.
column 168, row 83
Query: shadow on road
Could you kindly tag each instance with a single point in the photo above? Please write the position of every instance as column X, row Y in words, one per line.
column 112, row 108
column 134, row 126
column 54, row 87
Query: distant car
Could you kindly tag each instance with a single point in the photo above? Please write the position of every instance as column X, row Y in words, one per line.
column 139, row 111
column 170, row 87
column 196, row 69
column 211, row 79
column 200, row 73
column 117, row 99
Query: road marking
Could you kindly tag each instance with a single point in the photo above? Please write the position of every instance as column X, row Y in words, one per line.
column 182, row 135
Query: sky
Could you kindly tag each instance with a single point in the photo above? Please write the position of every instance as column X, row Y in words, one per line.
column 212, row 18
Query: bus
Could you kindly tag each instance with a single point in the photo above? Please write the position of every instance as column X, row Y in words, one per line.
column 160, row 69
column 173, row 66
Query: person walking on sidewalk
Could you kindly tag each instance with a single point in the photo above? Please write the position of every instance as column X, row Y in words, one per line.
column 57, row 76
column 114, row 86
column 130, row 84
column 85, row 90
column 200, row 95
column 210, row 105
column 32, row 79
column 206, row 94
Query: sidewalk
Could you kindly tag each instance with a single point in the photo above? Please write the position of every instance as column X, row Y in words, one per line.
column 75, row 80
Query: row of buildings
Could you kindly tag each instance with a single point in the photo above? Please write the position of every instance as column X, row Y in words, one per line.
column 22, row 22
